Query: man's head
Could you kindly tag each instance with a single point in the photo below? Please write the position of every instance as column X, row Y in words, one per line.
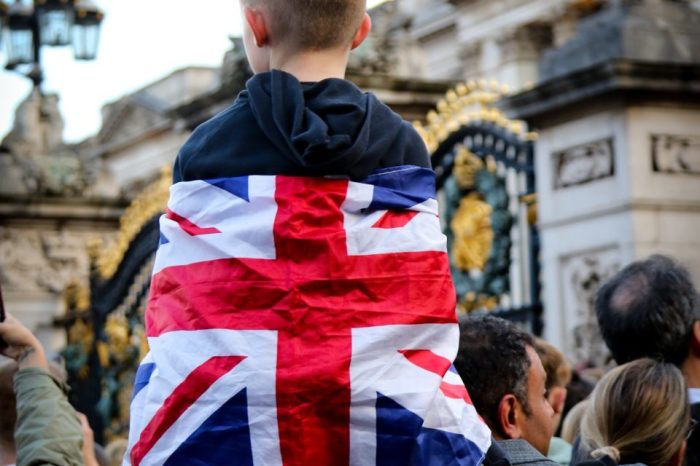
column 649, row 309
column 558, row 376
column 295, row 26
column 506, row 380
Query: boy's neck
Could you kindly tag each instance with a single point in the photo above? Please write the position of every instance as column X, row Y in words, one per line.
column 312, row 66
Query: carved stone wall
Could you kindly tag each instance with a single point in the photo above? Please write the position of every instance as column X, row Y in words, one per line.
column 583, row 274
column 35, row 260
column 673, row 153
column 584, row 163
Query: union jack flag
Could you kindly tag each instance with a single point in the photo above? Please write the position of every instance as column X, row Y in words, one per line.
column 303, row 321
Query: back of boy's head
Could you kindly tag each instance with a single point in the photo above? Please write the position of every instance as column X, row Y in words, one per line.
column 312, row 24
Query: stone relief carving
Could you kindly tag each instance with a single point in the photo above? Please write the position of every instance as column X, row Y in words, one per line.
column 470, row 55
column 35, row 160
column 526, row 41
column 38, row 125
column 583, row 274
column 32, row 260
column 378, row 54
column 675, row 154
column 584, row 163
column 235, row 69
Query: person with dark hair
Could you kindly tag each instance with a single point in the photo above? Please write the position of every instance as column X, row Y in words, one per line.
column 651, row 309
column 506, row 381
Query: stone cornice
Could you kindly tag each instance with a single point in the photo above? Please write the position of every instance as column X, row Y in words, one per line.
column 640, row 81
column 42, row 209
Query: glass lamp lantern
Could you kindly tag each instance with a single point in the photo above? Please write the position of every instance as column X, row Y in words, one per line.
column 86, row 30
column 20, row 48
column 55, row 20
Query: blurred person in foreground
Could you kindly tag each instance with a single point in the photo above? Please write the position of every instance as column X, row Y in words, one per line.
column 507, row 383
column 37, row 424
column 638, row 414
column 558, row 377
column 650, row 309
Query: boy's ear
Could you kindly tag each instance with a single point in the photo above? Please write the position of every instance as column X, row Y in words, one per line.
column 557, row 398
column 258, row 26
column 362, row 32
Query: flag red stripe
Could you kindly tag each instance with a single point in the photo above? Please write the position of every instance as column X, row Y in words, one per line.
column 455, row 391
column 254, row 294
column 428, row 360
column 395, row 219
column 313, row 356
column 194, row 385
column 189, row 227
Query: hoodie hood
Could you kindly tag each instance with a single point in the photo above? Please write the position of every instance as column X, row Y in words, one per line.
column 279, row 126
column 326, row 127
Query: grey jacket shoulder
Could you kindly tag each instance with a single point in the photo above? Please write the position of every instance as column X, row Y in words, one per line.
column 48, row 432
column 521, row 452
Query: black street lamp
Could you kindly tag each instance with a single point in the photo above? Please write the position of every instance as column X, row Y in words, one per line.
column 56, row 23
column 86, row 30
column 55, row 17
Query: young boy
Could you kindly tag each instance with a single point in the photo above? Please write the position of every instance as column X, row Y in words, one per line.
column 301, row 309
column 298, row 116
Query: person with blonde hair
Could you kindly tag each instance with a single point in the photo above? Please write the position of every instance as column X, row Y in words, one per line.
column 558, row 376
column 638, row 414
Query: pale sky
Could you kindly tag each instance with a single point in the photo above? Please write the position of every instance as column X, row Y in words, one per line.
column 141, row 42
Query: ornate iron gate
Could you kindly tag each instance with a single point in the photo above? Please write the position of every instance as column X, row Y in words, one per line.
column 486, row 182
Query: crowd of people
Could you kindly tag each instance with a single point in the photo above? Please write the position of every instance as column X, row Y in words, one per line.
column 638, row 413
column 642, row 411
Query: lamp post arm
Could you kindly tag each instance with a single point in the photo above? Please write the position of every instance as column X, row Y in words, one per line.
column 36, row 74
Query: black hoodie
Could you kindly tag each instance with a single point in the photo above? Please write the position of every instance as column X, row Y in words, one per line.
column 279, row 126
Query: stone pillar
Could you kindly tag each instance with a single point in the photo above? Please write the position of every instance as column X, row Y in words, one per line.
column 618, row 158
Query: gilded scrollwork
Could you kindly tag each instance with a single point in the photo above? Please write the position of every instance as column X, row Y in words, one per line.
column 472, row 174
column 466, row 166
column 79, row 332
column 478, row 233
column 475, row 302
column 123, row 345
column 468, row 102
column 473, row 235
column 76, row 297
column 149, row 203
column 118, row 338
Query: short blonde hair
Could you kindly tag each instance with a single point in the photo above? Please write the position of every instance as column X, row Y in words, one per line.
column 313, row 24
column 638, row 413
column 555, row 365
